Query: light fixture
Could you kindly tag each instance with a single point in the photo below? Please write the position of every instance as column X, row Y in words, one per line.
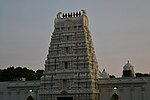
column 115, row 88
column 30, row 90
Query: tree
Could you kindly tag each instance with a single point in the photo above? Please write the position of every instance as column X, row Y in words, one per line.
column 13, row 74
column 142, row 75
column 112, row 76
column 39, row 73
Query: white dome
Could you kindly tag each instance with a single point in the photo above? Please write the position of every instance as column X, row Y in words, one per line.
column 45, row 77
column 42, row 78
column 128, row 70
column 104, row 74
column 128, row 66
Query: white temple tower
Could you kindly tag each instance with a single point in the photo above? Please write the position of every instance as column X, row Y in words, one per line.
column 71, row 69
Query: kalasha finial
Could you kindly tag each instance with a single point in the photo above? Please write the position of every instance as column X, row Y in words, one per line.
column 63, row 15
column 103, row 70
column 68, row 14
column 72, row 14
column 84, row 12
column 76, row 13
column 58, row 14
column 79, row 13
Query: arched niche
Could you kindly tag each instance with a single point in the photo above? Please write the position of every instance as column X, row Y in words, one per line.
column 30, row 98
column 115, row 97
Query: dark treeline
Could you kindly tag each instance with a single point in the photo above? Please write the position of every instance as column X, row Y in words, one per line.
column 136, row 75
column 12, row 74
column 142, row 75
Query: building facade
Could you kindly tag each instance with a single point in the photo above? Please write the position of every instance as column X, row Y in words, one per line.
column 19, row 90
column 128, row 87
column 71, row 70
column 124, row 89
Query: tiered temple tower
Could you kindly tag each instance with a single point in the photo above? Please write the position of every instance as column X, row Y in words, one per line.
column 71, row 69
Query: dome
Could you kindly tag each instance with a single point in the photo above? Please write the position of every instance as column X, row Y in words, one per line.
column 128, row 66
column 45, row 77
column 104, row 74
column 128, row 70
column 42, row 78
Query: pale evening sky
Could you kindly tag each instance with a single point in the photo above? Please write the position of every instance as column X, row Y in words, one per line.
column 120, row 31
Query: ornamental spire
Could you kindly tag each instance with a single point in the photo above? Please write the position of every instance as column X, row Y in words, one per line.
column 71, row 14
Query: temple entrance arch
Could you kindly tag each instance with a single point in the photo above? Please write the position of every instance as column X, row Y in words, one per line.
column 114, row 97
column 30, row 98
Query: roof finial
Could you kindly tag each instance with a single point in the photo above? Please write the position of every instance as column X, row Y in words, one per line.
column 83, row 12
column 58, row 14
column 103, row 70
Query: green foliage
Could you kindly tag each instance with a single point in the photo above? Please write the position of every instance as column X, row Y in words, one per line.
column 112, row 76
column 142, row 75
column 11, row 74
column 39, row 73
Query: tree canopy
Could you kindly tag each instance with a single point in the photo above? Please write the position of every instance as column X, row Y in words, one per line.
column 12, row 74
column 142, row 75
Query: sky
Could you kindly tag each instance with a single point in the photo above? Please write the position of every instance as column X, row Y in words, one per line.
column 120, row 31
